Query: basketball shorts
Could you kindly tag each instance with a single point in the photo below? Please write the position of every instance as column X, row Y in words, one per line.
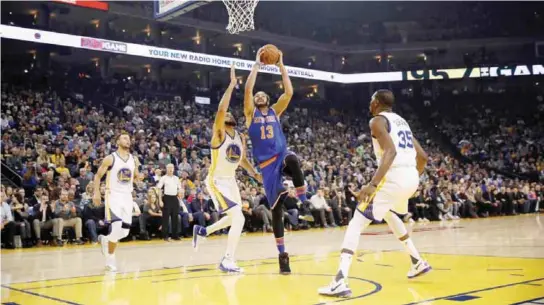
column 224, row 192
column 272, row 171
column 119, row 206
column 392, row 194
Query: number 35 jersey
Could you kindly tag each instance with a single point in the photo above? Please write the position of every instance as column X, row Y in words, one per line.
column 401, row 134
column 266, row 135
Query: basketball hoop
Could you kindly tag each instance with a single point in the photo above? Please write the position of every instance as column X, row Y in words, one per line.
column 240, row 15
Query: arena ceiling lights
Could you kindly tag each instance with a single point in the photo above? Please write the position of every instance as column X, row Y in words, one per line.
column 18, row 33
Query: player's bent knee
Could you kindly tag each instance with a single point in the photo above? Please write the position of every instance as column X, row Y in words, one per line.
column 291, row 160
column 119, row 230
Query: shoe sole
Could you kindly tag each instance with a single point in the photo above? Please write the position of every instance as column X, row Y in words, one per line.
column 424, row 271
column 343, row 294
column 226, row 270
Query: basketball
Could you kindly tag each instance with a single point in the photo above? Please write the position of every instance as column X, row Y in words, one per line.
column 270, row 55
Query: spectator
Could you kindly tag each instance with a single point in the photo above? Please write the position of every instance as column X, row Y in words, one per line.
column 57, row 157
column 61, row 169
column 320, row 208
column 136, row 213
column 30, row 180
column 519, row 200
column 45, row 219
column 291, row 204
column 84, row 178
column 340, row 207
column 66, row 210
column 93, row 216
column 152, row 214
column 19, row 210
column 202, row 212
column 258, row 210
column 418, row 207
column 8, row 225
column 185, row 215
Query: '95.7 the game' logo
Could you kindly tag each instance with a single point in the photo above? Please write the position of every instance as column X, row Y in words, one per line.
column 124, row 175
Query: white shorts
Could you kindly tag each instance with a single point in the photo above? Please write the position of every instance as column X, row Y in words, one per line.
column 224, row 192
column 392, row 194
column 119, row 207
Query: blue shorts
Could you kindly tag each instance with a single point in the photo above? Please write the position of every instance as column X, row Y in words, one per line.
column 272, row 171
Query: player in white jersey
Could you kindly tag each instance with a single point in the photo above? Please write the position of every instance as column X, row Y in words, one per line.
column 401, row 160
column 228, row 152
column 121, row 168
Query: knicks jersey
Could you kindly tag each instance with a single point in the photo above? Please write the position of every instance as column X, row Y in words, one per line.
column 227, row 157
column 266, row 135
column 121, row 174
column 401, row 134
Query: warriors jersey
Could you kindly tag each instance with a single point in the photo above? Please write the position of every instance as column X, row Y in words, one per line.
column 227, row 156
column 401, row 134
column 121, row 174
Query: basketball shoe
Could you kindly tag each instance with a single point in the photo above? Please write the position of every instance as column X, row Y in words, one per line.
column 336, row 289
column 110, row 258
column 419, row 268
column 283, row 259
column 229, row 266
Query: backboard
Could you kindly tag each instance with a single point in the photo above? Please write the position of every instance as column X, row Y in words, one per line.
column 168, row 9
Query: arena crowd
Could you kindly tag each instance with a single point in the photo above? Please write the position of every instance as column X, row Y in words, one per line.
column 54, row 144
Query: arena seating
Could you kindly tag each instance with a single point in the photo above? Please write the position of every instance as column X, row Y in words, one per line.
column 55, row 143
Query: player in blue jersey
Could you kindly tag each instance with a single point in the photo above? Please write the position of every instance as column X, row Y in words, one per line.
column 270, row 150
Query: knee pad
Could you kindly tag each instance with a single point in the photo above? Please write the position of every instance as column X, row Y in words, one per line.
column 291, row 160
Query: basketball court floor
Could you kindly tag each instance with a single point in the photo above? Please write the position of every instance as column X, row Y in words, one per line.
column 485, row 261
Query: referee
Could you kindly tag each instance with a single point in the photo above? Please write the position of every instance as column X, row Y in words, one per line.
column 171, row 185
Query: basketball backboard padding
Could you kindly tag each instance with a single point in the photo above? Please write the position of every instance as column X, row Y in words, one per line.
column 167, row 9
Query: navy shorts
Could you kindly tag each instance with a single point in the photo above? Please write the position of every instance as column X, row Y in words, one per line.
column 272, row 172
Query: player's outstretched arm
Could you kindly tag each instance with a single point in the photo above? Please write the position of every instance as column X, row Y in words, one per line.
column 245, row 164
column 285, row 98
column 249, row 107
column 104, row 166
column 219, row 123
column 421, row 156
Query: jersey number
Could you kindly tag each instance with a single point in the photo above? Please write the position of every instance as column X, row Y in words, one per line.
column 267, row 133
column 405, row 139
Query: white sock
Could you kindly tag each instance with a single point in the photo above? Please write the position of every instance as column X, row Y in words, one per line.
column 399, row 229
column 345, row 265
column 220, row 224
column 110, row 259
column 235, row 231
column 351, row 241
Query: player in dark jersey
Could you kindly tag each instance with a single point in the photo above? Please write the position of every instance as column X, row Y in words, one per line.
column 270, row 150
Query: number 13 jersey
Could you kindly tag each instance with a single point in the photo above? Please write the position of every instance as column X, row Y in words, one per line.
column 266, row 135
column 401, row 134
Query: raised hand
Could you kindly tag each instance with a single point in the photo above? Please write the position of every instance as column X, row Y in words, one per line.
column 233, row 79
column 280, row 60
column 258, row 58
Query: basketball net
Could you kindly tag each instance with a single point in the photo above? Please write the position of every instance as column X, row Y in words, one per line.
column 240, row 15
